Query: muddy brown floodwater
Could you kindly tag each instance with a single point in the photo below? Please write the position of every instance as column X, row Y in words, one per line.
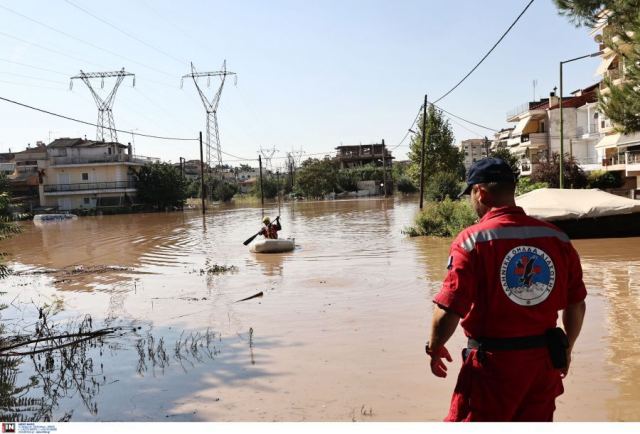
column 338, row 334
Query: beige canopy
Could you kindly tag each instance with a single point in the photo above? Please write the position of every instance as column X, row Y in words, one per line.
column 556, row 204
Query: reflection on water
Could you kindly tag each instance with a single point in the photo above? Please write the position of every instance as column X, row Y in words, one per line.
column 340, row 325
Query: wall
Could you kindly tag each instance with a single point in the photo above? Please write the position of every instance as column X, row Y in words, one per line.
column 569, row 121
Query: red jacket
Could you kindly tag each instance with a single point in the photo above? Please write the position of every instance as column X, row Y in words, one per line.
column 510, row 274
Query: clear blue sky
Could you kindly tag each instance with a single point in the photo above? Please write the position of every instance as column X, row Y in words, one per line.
column 311, row 75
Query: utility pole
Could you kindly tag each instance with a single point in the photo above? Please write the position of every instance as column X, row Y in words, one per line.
column 384, row 170
column 261, row 186
column 424, row 133
column 211, row 107
column 202, row 192
column 106, row 127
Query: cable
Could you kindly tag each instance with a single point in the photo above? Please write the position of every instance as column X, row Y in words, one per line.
column 92, row 124
column 32, row 77
column 409, row 129
column 486, row 55
column 182, row 62
column 32, row 85
column 466, row 120
column 60, row 53
column 113, row 53
column 34, row 67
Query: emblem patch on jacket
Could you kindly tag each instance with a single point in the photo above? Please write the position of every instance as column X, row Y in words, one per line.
column 527, row 275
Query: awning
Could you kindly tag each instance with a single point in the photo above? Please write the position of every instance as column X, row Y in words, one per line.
column 606, row 62
column 521, row 126
column 609, row 141
column 627, row 140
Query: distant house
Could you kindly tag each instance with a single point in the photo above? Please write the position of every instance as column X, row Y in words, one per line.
column 473, row 150
column 349, row 157
column 79, row 173
column 25, row 179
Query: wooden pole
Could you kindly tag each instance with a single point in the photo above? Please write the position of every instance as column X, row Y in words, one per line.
column 261, row 186
column 424, row 134
column 202, row 192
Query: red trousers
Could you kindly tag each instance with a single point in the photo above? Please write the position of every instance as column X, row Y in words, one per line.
column 496, row 386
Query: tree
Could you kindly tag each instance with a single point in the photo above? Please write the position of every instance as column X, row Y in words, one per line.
column 503, row 153
column 549, row 172
column 316, row 178
column 440, row 153
column 7, row 227
column 442, row 185
column 622, row 103
column 161, row 186
column 270, row 186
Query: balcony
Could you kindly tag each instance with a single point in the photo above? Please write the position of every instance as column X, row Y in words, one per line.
column 586, row 131
column 632, row 160
column 85, row 187
column 102, row 159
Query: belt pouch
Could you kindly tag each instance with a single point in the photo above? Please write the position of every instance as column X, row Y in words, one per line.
column 557, row 343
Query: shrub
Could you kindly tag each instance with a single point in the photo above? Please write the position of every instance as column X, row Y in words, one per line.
column 405, row 185
column 270, row 186
column 525, row 185
column 549, row 172
column 443, row 219
column 442, row 185
column 602, row 179
column 224, row 191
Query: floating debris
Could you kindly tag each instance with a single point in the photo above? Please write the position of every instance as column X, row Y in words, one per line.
column 260, row 294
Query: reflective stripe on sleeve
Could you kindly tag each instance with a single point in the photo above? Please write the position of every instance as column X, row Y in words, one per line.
column 511, row 233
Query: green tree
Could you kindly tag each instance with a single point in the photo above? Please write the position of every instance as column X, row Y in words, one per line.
column 442, row 185
column 549, row 172
column 503, row 153
column 622, row 103
column 7, row 227
column 270, row 185
column 440, row 153
column 161, row 186
column 316, row 178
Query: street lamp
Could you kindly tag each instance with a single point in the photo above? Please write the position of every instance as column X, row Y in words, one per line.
column 561, row 116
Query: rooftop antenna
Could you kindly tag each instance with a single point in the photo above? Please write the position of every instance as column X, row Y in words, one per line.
column 211, row 107
column 106, row 127
column 535, row 83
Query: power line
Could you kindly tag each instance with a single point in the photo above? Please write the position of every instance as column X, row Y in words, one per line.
column 124, row 32
column 92, row 124
column 486, row 55
column 113, row 53
column 30, row 77
column 409, row 129
column 34, row 67
column 466, row 120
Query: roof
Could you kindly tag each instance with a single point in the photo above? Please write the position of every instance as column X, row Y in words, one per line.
column 67, row 142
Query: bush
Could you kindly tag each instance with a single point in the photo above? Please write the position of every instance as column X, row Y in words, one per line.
column 549, row 172
column 224, row 191
column 442, row 185
column 270, row 186
column 525, row 185
column 602, row 179
column 405, row 185
column 443, row 219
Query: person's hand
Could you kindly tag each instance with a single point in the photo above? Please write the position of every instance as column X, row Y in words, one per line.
column 565, row 371
column 438, row 367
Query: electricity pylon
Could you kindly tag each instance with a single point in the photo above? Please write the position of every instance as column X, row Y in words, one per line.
column 211, row 107
column 104, row 104
column 267, row 155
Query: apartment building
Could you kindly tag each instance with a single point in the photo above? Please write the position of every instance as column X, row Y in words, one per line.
column 473, row 150
column 79, row 173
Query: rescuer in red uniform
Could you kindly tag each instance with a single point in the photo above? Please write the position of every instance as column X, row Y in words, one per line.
column 508, row 276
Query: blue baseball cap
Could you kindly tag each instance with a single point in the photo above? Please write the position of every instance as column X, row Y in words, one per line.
column 489, row 170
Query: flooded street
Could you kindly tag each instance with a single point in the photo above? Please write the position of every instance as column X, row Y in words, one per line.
column 337, row 336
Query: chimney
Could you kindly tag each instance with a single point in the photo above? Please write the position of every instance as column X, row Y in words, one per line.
column 553, row 99
column 129, row 149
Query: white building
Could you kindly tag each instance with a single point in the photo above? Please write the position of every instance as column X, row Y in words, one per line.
column 473, row 150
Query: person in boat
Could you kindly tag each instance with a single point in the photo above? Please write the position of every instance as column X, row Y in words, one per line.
column 508, row 276
column 270, row 230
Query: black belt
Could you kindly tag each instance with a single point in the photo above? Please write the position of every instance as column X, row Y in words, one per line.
column 506, row 344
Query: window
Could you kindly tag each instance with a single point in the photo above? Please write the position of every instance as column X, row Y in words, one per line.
column 542, row 127
column 86, row 200
column 109, row 148
column 85, row 176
